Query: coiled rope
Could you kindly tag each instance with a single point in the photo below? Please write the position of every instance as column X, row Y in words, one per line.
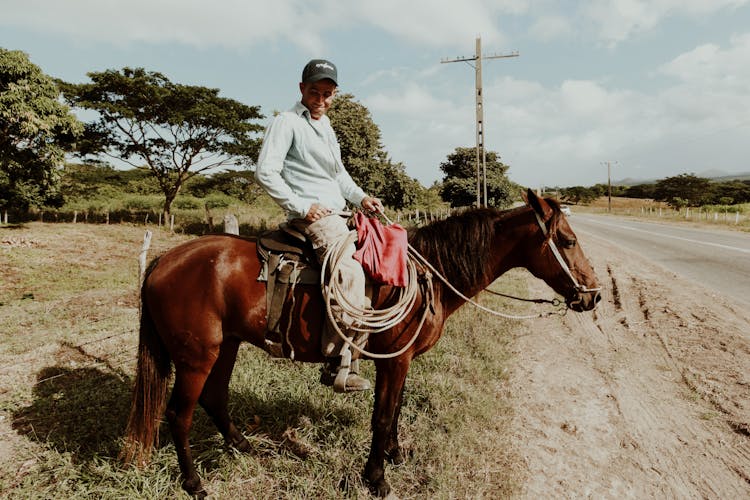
column 368, row 320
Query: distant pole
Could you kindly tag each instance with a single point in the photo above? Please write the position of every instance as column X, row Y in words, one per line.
column 481, row 158
column 609, row 184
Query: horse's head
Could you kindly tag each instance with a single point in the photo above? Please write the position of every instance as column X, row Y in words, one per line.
column 560, row 261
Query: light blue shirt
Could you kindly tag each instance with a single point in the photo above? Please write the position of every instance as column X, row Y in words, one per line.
column 300, row 164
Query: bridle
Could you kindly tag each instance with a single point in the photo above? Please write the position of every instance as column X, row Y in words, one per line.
column 564, row 265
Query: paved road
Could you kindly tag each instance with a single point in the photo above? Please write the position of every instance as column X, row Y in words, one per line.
column 719, row 259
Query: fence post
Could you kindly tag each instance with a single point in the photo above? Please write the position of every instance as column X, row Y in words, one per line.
column 75, row 216
column 231, row 224
column 142, row 255
column 171, row 223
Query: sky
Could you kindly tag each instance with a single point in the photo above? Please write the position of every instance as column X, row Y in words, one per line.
column 655, row 88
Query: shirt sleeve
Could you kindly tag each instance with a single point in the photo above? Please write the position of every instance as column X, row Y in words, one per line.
column 278, row 140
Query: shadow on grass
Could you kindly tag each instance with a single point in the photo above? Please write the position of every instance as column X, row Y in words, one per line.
column 82, row 411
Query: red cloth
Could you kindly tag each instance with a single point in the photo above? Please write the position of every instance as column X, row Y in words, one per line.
column 382, row 250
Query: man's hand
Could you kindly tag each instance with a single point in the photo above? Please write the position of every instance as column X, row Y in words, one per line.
column 373, row 205
column 316, row 212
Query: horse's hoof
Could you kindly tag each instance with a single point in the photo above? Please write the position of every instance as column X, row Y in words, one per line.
column 380, row 488
column 243, row 445
column 396, row 457
column 194, row 488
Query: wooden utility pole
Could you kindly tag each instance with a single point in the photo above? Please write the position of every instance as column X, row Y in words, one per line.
column 480, row 156
column 609, row 183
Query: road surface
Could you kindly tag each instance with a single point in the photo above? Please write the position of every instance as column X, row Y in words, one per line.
column 717, row 259
column 647, row 396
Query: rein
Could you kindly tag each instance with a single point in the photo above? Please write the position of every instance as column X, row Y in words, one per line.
column 375, row 321
column 554, row 302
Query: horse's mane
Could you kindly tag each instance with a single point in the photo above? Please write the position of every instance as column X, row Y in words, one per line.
column 459, row 246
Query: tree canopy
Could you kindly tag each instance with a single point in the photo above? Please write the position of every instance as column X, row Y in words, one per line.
column 36, row 129
column 460, row 182
column 176, row 130
column 364, row 157
column 579, row 194
column 690, row 189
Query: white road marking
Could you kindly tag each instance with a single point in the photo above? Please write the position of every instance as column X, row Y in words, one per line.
column 718, row 245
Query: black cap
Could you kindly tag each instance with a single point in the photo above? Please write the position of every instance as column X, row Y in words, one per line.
column 319, row 69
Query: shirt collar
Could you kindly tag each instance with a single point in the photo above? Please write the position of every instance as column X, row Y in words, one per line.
column 303, row 112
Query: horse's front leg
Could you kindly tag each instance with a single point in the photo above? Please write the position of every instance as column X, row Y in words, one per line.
column 393, row 452
column 389, row 384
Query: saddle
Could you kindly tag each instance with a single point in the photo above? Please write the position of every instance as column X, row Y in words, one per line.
column 287, row 258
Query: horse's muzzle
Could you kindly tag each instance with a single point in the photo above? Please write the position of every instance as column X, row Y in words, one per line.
column 584, row 301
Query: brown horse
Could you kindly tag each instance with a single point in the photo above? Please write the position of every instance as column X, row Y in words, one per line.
column 201, row 299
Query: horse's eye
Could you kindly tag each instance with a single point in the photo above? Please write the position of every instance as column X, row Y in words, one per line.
column 569, row 243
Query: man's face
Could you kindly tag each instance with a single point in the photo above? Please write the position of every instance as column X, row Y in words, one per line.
column 318, row 96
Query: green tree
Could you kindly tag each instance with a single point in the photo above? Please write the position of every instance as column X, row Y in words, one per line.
column 364, row 156
column 578, row 194
column 695, row 191
column 36, row 130
column 361, row 147
column 459, row 183
column 640, row 191
column 238, row 184
column 176, row 130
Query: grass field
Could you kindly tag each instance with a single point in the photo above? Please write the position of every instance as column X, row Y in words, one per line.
column 68, row 314
column 733, row 216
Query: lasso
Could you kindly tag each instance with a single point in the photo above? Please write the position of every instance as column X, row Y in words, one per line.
column 368, row 320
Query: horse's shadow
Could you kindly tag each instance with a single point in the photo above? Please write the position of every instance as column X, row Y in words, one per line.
column 81, row 411
column 84, row 411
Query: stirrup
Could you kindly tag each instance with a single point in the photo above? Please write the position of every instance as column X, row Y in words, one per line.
column 344, row 378
column 339, row 383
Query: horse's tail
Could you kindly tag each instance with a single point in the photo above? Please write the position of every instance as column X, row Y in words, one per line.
column 150, row 390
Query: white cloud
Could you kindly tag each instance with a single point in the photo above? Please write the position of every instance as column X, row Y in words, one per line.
column 710, row 66
column 239, row 23
column 548, row 28
column 412, row 100
column 560, row 134
column 618, row 20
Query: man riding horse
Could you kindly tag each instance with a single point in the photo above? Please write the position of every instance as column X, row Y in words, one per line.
column 300, row 167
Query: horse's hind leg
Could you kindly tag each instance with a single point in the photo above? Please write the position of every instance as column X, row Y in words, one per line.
column 215, row 395
column 187, row 388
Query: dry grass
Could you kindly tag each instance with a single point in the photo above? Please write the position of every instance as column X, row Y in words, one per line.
column 658, row 211
column 68, row 311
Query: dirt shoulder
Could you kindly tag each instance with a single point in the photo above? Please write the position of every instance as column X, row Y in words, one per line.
column 648, row 396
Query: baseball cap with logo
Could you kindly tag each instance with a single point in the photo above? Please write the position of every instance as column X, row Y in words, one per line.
column 319, row 69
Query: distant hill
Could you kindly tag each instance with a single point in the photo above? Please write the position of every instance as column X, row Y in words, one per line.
column 713, row 175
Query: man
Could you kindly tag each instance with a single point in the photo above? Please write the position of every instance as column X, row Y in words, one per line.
column 301, row 169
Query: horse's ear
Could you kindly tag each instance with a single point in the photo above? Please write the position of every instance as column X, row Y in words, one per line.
column 538, row 204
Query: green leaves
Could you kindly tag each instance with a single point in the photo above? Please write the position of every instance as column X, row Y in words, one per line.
column 175, row 130
column 365, row 158
column 460, row 181
column 35, row 131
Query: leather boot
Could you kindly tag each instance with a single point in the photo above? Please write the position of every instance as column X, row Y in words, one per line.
column 354, row 382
